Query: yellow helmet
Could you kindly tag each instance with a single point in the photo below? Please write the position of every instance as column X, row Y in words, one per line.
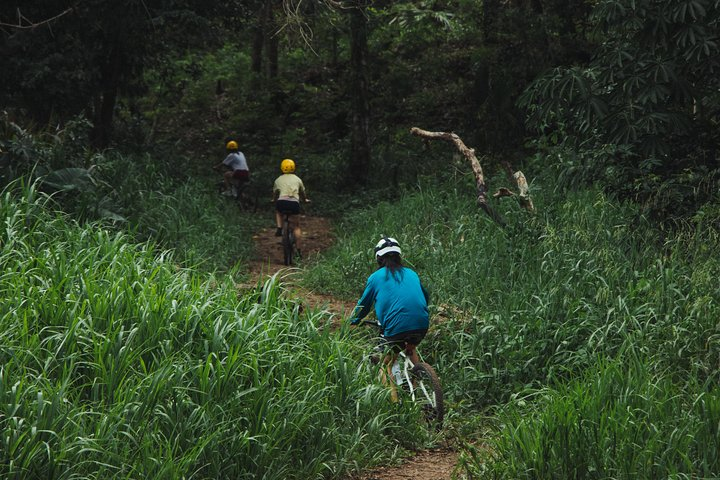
column 287, row 166
column 232, row 145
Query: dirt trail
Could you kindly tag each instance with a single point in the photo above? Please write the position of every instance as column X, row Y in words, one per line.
column 317, row 236
column 426, row 465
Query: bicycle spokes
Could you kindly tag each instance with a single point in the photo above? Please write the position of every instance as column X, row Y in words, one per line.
column 428, row 394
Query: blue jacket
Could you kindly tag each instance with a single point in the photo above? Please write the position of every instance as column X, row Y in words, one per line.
column 401, row 302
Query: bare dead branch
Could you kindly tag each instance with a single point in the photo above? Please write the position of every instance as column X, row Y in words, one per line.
column 294, row 21
column 26, row 24
column 523, row 196
column 468, row 153
column 503, row 192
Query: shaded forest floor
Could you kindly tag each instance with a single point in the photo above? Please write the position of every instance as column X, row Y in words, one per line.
column 436, row 464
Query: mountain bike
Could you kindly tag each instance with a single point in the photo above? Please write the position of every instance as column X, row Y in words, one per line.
column 418, row 383
column 238, row 192
column 288, row 239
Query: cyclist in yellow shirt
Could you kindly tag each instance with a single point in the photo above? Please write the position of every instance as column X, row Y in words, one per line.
column 288, row 190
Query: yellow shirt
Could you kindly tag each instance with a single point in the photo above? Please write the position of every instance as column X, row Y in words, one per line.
column 289, row 186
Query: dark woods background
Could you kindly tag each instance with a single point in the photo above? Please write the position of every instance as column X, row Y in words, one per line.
column 620, row 93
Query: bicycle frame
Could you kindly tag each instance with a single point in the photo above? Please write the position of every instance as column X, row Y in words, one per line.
column 419, row 379
column 406, row 366
column 288, row 238
column 238, row 192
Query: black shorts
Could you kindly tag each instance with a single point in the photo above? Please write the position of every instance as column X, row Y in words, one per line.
column 398, row 341
column 241, row 175
column 287, row 206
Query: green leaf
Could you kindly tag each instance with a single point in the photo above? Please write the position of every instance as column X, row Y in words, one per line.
column 70, row 179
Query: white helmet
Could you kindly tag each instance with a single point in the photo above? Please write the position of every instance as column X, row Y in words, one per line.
column 387, row 245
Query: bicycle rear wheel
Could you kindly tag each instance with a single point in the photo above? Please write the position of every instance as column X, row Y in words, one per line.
column 428, row 394
column 287, row 242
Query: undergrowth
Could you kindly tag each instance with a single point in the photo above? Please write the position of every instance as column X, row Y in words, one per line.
column 117, row 362
column 535, row 311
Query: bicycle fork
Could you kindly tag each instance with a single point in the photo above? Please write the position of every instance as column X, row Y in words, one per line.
column 404, row 376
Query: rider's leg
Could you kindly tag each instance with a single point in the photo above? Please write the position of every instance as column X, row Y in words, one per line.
column 411, row 351
column 278, row 223
column 227, row 176
column 386, row 375
column 297, row 232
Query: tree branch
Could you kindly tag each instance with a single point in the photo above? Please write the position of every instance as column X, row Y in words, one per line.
column 25, row 24
column 523, row 196
column 468, row 153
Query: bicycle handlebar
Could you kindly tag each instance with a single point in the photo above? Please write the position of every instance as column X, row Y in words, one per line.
column 365, row 322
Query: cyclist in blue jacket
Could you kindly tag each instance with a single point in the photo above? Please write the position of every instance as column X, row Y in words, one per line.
column 401, row 302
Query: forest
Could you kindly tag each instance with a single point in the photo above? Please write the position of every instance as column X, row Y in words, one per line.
column 550, row 169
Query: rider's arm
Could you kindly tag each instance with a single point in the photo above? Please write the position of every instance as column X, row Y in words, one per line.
column 303, row 194
column 426, row 294
column 364, row 304
column 225, row 162
column 275, row 191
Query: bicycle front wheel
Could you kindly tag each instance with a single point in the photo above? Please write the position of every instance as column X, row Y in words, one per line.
column 428, row 394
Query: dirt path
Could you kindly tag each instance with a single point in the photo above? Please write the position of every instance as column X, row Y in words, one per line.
column 317, row 236
column 426, row 465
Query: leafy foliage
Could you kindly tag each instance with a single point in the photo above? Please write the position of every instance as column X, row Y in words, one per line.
column 94, row 52
column 651, row 90
column 152, row 199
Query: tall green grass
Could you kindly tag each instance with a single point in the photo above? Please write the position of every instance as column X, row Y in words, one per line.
column 115, row 362
column 162, row 196
column 543, row 299
column 170, row 206
column 620, row 420
column 546, row 300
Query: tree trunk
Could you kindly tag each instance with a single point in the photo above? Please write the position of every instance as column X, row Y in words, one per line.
column 491, row 10
column 257, row 45
column 271, row 41
column 360, row 137
column 334, row 48
column 110, row 82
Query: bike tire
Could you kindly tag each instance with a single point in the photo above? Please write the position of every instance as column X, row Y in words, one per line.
column 287, row 243
column 239, row 194
column 239, row 202
column 428, row 394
